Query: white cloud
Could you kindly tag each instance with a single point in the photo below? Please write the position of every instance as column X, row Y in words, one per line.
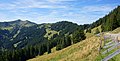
column 46, row 19
column 102, row 8
column 84, row 15
column 20, row 4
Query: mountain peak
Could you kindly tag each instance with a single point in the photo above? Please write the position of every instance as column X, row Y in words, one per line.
column 18, row 23
column 19, row 20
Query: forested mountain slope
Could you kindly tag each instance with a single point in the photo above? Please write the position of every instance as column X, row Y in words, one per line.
column 109, row 22
column 32, row 39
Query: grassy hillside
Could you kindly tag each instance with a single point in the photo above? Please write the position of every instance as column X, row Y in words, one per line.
column 94, row 29
column 50, row 33
column 117, row 30
column 86, row 50
column 82, row 51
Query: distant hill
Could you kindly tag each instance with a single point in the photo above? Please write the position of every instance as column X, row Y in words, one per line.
column 17, row 23
column 20, row 33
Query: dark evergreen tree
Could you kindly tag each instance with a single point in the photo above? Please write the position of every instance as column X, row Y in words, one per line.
column 78, row 35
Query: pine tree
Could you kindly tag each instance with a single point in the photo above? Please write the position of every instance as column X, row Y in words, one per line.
column 78, row 35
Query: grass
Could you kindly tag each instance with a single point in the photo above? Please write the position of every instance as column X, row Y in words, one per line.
column 94, row 29
column 88, row 35
column 49, row 33
column 108, row 40
column 116, row 58
column 85, row 50
column 16, row 34
column 117, row 30
column 16, row 44
column 7, row 28
column 101, row 56
column 53, row 49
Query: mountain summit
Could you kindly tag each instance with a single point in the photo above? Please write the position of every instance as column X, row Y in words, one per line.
column 17, row 23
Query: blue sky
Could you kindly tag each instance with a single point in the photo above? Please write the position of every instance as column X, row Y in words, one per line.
column 51, row 11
